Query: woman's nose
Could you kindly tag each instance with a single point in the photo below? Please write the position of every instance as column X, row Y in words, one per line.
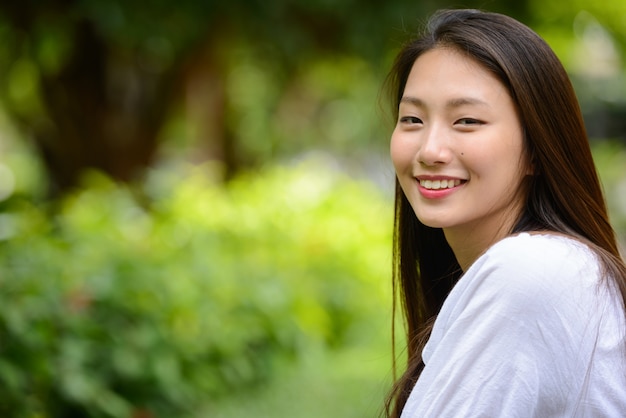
column 434, row 149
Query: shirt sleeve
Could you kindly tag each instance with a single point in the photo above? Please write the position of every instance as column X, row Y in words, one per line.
column 514, row 339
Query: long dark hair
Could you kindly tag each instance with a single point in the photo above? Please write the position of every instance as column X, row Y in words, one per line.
column 564, row 195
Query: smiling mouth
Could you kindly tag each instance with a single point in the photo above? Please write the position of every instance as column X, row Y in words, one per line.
column 439, row 184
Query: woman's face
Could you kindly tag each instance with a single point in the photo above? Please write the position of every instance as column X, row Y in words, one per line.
column 457, row 147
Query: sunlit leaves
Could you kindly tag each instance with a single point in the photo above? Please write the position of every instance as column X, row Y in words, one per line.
column 168, row 307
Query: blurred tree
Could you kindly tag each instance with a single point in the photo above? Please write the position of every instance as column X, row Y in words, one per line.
column 590, row 38
column 91, row 82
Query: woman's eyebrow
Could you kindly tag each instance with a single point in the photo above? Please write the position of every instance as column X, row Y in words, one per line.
column 412, row 100
column 452, row 103
column 465, row 101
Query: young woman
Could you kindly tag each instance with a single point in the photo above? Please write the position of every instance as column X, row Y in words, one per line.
column 505, row 264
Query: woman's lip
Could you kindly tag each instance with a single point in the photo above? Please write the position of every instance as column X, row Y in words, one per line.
column 437, row 183
column 438, row 188
column 431, row 177
column 440, row 184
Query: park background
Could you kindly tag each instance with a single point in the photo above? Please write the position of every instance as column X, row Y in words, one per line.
column 196, row 198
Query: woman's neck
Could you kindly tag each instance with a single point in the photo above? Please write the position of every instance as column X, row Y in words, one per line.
column 468, row 242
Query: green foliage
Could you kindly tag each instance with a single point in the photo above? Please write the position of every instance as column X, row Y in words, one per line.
column 109, row 309
column 610, row 158
column 329, row 104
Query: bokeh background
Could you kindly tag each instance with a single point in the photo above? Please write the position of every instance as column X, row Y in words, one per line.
column 196, row 198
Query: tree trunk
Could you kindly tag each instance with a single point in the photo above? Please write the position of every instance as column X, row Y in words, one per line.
column 105, row 109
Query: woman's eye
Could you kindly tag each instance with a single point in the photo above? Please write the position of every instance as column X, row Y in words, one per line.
column 410, row 120
column 468, row 122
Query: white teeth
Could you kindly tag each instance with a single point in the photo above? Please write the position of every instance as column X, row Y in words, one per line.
column 439, row 184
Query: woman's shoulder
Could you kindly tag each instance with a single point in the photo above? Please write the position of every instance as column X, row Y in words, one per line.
column 535, row 269
column 541, row 241
column 541, row 254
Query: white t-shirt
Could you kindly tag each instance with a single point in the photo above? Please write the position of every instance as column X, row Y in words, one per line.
column 530, row 330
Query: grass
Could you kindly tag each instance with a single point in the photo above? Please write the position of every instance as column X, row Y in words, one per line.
column 349, row 383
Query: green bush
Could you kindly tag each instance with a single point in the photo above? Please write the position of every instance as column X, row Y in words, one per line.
column 115, row 308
